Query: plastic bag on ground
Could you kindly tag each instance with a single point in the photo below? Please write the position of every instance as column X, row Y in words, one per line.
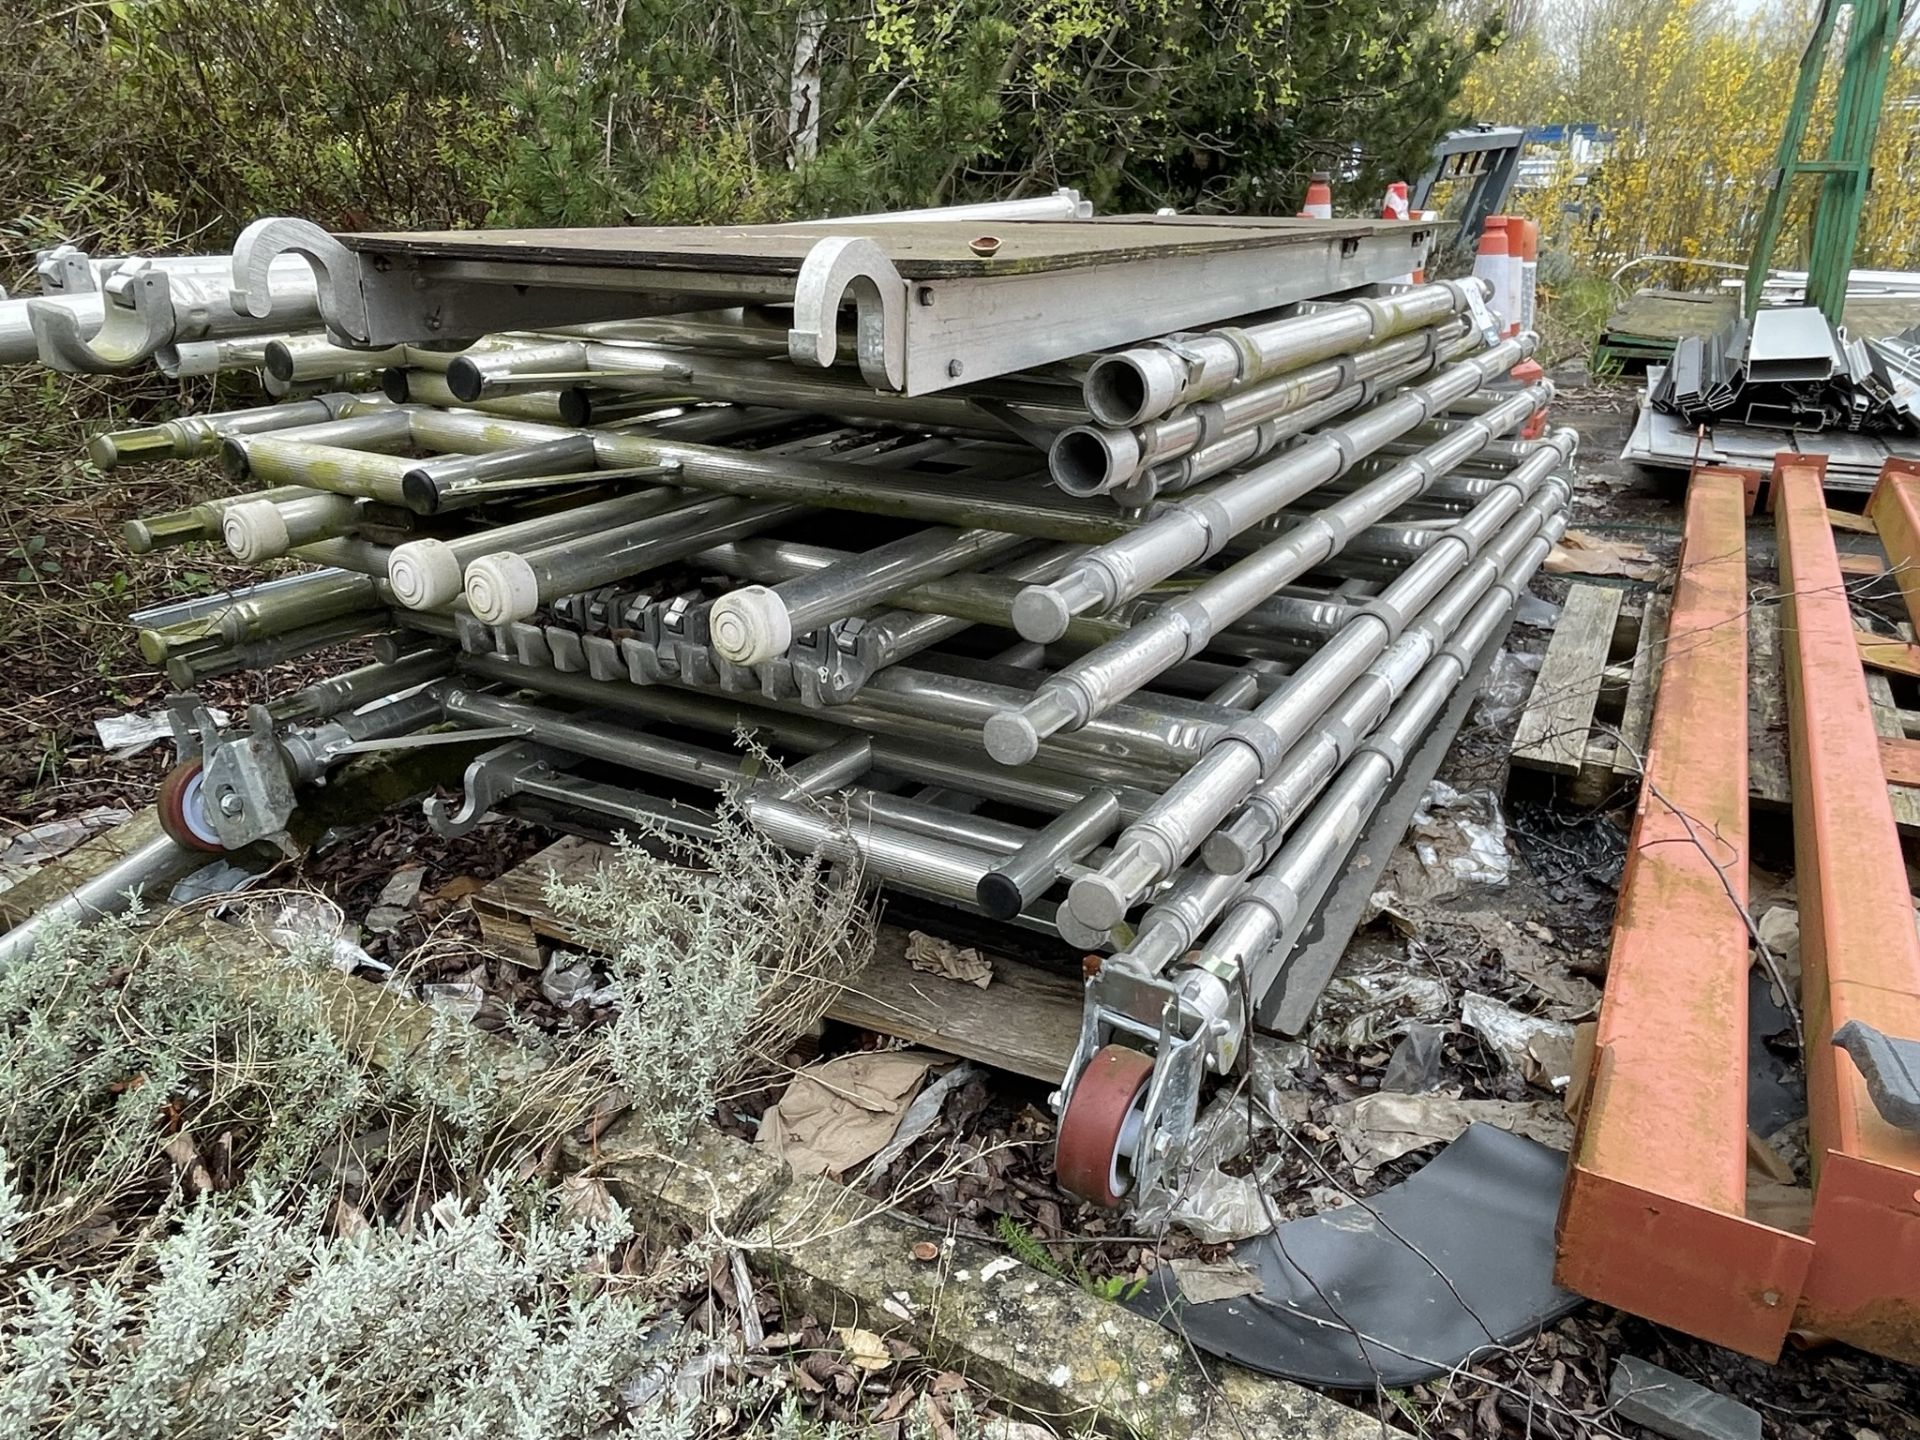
column 1508, row 684
column 1458, row 839
column 1539, row 1050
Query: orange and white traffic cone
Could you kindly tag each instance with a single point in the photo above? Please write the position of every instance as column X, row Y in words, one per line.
column 1319, row 204
column 1528, row 372
column 1490, row 263
column 1394, row 207
column 1527, row 257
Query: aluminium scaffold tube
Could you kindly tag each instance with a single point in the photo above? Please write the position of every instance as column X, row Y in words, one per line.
column 192, row 436
column 264, row 529
column 917, row 754
column 1173, row 925
column 1274, row 806
column 1244, row 447
column 1182, row 628
column 1214, row 788
column 1019, row 880
column 1258, row 933
column 189, row 359
column 429, row 573
column 1022, row 506
column 1187, row 531
column 157, row 862
column 1093, row 459
column 1146, row 381
column 646, row 370
column 757, row 622
column 508, row 585
column 901, row 841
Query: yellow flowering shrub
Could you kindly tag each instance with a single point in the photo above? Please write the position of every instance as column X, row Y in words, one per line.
column 1696, row 100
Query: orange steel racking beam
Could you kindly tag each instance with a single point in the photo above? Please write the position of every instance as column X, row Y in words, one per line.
column 1653, row 1219
column 1894, row 508
column 1860, row 956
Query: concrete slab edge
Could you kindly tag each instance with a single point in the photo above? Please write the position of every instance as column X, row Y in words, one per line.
column 1038, row 1341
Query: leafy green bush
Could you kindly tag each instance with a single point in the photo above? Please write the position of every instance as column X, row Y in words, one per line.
column 129, row 124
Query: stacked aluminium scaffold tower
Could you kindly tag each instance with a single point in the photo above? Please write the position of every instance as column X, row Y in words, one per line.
column 1096, row 574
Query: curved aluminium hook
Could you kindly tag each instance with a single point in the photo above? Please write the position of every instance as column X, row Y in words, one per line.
column 833, row 267
column 133, row 324
column 336, row 272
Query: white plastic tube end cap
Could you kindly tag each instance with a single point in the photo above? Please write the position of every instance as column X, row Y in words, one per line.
column 750, row 625
column 255, row 530
column 424, row 574
column 502, row 588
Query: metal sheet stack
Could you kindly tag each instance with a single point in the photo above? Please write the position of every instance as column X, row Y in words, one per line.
column 1107, row 596
column 1788, row 368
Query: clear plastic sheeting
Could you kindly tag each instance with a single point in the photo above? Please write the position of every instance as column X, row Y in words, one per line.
column 1459, row 839
column 568, row 980
column 1364, row 1008
column 1535, row 613
column 32, row 847
column 1218, row 1207
column 1509, row 682
column 1414, row 1065
column 311, row 928
column 1537, row 1049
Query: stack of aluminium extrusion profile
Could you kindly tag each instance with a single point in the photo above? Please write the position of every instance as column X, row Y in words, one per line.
column 1125, row 643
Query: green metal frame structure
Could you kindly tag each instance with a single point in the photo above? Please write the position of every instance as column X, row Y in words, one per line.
column 1846, row 169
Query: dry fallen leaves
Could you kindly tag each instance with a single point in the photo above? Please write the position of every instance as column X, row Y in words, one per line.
column 931, row 954
column 864, row 1348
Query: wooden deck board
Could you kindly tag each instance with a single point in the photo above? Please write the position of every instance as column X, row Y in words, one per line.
column 1552, row 735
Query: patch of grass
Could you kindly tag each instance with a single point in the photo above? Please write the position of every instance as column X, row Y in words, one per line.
column 1028, row 1249
column 1572, row 313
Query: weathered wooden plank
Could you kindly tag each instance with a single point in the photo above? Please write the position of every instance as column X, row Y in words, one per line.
column 1900, row 758
column 1026, row 1021
column 1767, row 777
column 1886, row 724
column 1637, row 711
column 1881, row 652
column 1552, row 734
column 1847, row 520
column 512, row 910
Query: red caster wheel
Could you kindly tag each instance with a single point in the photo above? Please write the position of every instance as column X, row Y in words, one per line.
column 182, row 813
column 1102, row 1125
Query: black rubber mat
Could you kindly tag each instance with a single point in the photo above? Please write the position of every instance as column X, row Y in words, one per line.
column 1457, row 1257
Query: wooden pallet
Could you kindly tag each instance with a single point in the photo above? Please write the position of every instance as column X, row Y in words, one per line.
column 1769, row 780
column 1586, row 722
column 1026, row 1021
